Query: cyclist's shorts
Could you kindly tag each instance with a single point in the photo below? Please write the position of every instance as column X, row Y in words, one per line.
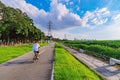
column 36, row 52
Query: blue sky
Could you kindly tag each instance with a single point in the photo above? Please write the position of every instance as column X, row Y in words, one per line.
column 77, row 6
column 80, row 19
column 41, row 4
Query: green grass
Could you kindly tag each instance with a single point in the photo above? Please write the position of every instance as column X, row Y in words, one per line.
column 69, row 68
column 10, row 52
column 43, row 44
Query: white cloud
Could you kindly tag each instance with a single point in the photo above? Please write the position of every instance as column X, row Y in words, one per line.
column 67, row 35
column 59, row 14
column 99, row 22
column 62, row 18
column 58, row 10
column 71, row 3
column 38, row 16
column 63, row 1
column 86, row 18
column 103, row 11
column 110, row 32
column 116, row 17
column 97, row 17
column 77, row 8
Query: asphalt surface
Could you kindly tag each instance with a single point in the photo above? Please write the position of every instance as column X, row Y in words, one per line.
column 23, row 68
column 102, row 68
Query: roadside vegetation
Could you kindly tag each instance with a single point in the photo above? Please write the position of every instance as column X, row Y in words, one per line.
column 100, row 48
column 43, row 44
column 10, row 52
column 69, row 68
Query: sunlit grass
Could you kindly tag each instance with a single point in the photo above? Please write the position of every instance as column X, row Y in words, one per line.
column 68, row 68
column 10, row 52
column 43, row 44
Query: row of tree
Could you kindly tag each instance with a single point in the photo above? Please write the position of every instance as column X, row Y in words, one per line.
column 16, row 26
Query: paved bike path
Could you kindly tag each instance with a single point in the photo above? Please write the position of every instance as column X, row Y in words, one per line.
column 102, row 68
column 22, row 68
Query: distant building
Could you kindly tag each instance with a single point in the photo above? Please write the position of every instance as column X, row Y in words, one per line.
column 65, row 38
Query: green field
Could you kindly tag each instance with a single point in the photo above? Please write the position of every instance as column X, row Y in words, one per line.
column 9, row 52
column 69, row 68
column 100, row 48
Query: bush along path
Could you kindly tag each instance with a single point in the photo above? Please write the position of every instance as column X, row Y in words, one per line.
column 67, row 67
column 22, row 68
column 102, row 68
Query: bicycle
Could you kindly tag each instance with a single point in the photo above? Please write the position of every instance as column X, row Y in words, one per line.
column 36, row 57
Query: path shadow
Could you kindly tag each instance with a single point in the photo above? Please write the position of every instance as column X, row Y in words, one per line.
column 18, row 62
column 105, row 71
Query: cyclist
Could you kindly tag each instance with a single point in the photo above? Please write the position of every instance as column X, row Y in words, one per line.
column 35, row 49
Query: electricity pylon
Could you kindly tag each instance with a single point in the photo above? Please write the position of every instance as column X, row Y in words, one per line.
column 49, row 35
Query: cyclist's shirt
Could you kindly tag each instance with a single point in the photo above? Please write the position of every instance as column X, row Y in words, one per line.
column 35, row 47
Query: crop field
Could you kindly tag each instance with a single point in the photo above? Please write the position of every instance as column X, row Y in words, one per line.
column 100, row 48
column 69, row 68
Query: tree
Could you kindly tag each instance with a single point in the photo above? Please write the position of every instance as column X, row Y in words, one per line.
column 16, row 26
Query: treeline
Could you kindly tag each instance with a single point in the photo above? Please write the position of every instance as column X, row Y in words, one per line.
column 16, row 26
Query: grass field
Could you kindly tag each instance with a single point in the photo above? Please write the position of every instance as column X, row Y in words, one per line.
column 68, row 68
column 9, row 52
